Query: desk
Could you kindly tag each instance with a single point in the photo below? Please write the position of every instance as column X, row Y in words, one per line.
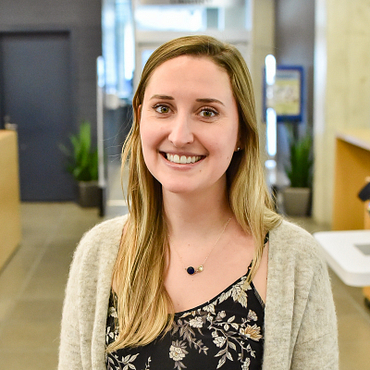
column 352, row 166
column 342, row 251
column 10, row 224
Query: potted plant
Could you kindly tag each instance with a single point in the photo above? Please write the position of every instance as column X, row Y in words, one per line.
column 83, row 165
column 299, row 171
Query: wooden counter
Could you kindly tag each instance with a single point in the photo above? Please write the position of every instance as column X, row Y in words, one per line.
column 352, row 166
column 10, row 225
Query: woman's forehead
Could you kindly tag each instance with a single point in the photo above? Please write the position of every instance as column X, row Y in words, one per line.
column 199, row 74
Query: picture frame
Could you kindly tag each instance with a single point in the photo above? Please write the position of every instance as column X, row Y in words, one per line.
column 286, row 95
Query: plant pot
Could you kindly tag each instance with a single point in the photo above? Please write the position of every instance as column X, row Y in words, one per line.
column 88, row 194
column 296, row 201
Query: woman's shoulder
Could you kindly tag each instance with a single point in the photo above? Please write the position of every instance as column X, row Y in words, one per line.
column 292, row 241
column 103, row 239
column 107, row 230
column 289, row 229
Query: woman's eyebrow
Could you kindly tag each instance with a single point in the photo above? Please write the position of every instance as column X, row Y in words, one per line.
column 163, row 97
column 199, row 100
column 210, row 100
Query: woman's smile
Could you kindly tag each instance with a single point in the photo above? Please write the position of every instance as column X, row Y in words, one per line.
column 182, row 159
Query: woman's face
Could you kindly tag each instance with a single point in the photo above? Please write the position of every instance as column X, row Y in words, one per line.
column 189, row 125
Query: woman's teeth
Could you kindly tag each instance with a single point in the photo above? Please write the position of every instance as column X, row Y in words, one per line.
column 182, row 159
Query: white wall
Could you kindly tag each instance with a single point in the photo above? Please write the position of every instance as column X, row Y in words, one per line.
column 262, row 44
column 342, row 87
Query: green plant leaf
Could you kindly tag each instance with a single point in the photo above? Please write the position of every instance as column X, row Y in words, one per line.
column 299, row 170
column 82, row 159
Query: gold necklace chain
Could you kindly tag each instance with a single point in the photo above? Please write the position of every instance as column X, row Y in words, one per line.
column 191, row 270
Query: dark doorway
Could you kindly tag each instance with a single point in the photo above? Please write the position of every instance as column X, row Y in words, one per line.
column 35, row 94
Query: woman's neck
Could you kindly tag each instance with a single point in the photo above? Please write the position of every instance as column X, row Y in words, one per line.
column 188, row 216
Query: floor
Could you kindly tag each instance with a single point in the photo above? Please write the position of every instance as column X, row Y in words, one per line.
column 32, row 289
column 32, row 284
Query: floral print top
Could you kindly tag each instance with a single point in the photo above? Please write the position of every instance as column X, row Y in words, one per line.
column 224, row 333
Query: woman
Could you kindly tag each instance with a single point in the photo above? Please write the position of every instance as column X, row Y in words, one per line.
column 202, row 274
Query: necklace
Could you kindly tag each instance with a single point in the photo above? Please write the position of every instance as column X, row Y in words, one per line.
column 191, row 270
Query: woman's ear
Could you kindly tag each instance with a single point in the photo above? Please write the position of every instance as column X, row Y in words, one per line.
column 138, row 113
column 239, row 142
column 238, row 146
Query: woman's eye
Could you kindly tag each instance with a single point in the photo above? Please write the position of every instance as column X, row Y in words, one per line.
column 163, row 109
column 208, row 113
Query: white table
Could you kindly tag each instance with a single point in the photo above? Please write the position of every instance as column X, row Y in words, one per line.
column 348, row 254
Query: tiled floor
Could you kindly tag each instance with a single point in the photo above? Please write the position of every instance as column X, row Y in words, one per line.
column 32, row 284
column 32, row 289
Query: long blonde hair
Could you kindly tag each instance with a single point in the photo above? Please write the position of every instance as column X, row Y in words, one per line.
column 143, row 305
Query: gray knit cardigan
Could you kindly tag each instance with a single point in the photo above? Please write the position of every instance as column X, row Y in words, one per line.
column 300, row 321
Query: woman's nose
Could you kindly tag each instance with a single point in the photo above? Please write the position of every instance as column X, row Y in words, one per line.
column 181, row 132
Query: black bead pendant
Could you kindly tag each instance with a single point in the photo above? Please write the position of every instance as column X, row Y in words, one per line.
column 190, row 270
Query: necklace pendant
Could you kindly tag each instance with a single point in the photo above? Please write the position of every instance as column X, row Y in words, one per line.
column 191, row 270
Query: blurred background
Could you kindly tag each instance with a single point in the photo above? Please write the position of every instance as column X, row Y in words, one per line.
column 68, row 71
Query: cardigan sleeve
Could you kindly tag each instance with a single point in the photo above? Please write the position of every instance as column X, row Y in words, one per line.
column 316, row 346
column 300, row 321
column 70, row 346
column 82, row 339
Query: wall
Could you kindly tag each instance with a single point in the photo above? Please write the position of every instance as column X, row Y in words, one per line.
column 82, row 19
column 342, row 87
column 294, row 45
column 294, row 41
column 263, row 35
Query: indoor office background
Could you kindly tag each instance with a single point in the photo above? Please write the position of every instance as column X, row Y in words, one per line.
column 51, row 79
